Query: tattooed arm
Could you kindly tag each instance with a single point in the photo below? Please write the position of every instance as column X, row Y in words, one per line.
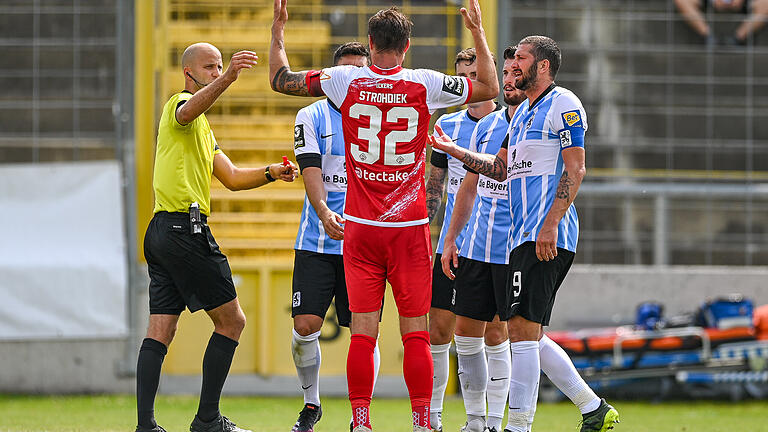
column 573, row 173
column 435, row 189
column 282, row 79
column 493, row 166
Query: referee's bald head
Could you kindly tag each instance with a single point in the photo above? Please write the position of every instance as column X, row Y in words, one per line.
column 196, row 51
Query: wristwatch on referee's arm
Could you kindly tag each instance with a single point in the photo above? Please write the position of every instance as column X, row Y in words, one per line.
column 268, row 175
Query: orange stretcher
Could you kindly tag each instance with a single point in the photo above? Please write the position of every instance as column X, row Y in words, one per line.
column 604, row 340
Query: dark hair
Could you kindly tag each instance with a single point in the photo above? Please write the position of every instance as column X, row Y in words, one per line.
column 509, row 52
column 350, row 48
column 390, row 30
column 544, row 48
column 469, row 55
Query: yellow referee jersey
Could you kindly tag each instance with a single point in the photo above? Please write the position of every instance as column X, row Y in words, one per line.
column 183, row 160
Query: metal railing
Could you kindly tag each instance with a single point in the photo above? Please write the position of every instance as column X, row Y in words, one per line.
column 62, row 81
column 677, row 147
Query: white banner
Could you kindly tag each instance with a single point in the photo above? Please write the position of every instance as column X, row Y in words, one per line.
column 63, row 269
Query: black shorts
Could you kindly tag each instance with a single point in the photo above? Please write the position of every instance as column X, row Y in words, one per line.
column 443, row 292
column 533, row 283
column 185, row 269
column 481, row 290
column 317, row 279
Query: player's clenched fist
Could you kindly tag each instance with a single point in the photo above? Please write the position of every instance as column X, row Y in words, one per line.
column 286, row 171
column 241, row 60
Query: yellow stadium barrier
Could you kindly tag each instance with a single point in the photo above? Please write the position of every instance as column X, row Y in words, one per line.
column 265, row 294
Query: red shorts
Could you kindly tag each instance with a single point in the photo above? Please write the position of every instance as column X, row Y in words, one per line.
column 374, row 255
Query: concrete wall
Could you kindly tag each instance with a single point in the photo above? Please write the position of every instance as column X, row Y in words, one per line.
column 64, row 367
column 608, row 295
column 590, row 296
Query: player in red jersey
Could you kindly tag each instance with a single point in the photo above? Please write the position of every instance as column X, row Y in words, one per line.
column 385, row 113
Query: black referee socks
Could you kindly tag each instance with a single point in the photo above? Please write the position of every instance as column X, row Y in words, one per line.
column 216, row 363
column 151, row 355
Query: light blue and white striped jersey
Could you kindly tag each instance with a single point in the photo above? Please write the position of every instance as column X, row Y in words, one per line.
column 318, row 135
column 487, row 232
column 537, row 136
column 459, row 126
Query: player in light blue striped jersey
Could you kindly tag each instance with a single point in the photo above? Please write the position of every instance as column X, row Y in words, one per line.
column 480, row 280
column 318, row 276
column 542, row 160
column 459, row 126
column 482, row 261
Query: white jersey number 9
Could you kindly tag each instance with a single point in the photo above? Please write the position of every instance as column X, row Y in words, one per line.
column 370, row 134
column 517, row 283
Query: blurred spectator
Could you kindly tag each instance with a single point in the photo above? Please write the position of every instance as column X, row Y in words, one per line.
column 693, row 12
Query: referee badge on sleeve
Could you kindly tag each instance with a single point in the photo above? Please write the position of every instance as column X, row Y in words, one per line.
column 565, row 138
column 298, row 136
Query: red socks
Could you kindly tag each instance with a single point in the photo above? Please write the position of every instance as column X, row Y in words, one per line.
column 360, row 377
column 418, row 373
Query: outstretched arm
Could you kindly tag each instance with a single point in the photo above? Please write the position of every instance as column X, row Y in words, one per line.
column 281, row 78
column 493, row 166
column 486, row 86
column 234, row 178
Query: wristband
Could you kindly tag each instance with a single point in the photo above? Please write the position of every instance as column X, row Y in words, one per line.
column 268, row 175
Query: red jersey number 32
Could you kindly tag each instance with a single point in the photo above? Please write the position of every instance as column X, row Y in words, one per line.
column 370, row 134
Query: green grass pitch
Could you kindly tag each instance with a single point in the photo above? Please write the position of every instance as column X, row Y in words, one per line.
column 117, row 413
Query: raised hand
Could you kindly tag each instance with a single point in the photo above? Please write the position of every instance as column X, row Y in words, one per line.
column 473, row 19
column 280, row 14
column 240, row 60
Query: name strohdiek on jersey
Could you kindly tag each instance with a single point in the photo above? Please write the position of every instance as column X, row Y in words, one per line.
column 383, row 98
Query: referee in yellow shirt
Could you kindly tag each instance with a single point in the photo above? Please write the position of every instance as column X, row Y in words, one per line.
column 186, row 267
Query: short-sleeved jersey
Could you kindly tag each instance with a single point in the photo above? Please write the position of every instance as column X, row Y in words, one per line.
column 386, row 122
column 537, row 136
column 459, row 126
column 183, row 160
column 318, row 136
column 487, row 231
